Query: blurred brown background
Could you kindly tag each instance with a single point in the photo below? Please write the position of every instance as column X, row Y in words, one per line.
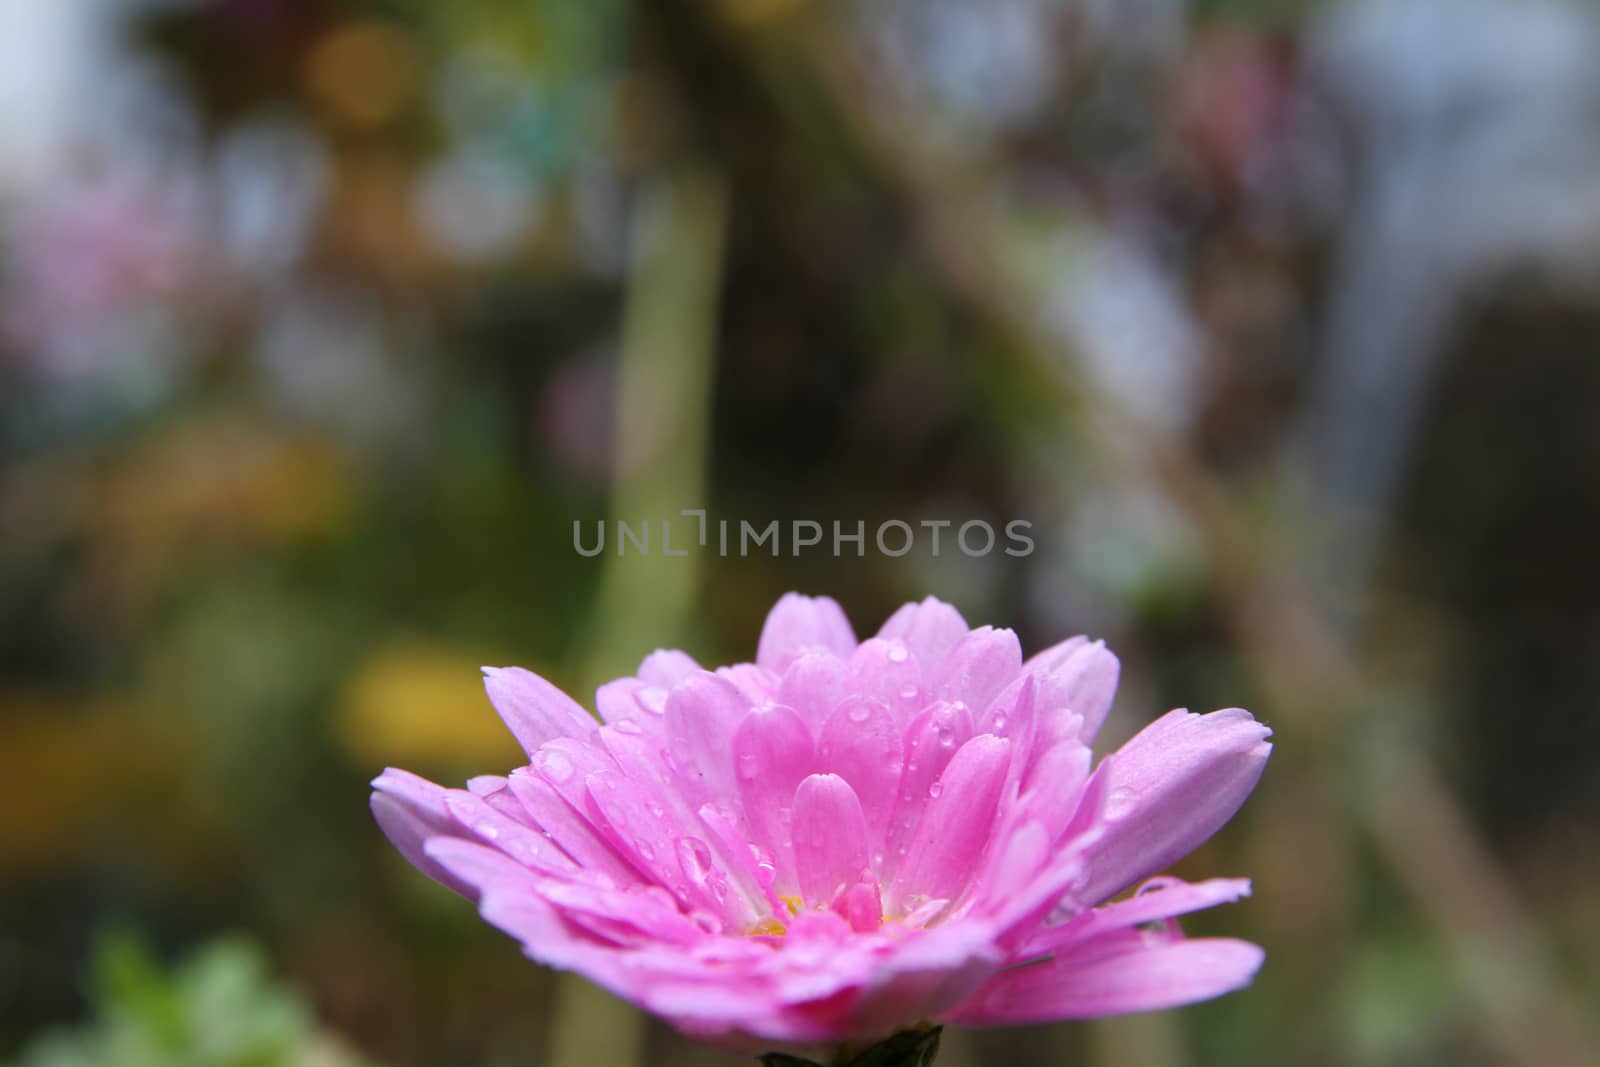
column 322, row 322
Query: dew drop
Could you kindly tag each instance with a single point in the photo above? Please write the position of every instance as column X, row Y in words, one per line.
column 749, row 767
column 628, row 726
column 935, row 789
column 488, row 831
column 646, row 853
column 553, row 765
column 694, row 858
column 998, row 722
column 897, row 653
column 1121, row 801
column 859, row 712
column 947, row 737
column 908, row 692
column 656, row 809
column 707, row 922
column 652, row 699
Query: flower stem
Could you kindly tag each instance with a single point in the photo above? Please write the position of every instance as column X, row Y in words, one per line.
column 908, row 1048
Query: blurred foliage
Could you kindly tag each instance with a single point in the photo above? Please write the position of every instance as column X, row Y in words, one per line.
column 220, row 1008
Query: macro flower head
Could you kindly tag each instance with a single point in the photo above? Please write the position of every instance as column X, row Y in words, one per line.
column 846, row 838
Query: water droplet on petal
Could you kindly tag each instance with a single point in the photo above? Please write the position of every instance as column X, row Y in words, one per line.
column 935, row 789
column 998, row 723
column 645, row 851
column 947, row 737
column 487, row 830
column 908, row 692
column 694, row 858
column 652, row 699
column 707, row 922
column 749, row 767
column 897, row 653
column 553, row 765
column 628, row 726
column 859, row 712
column 1120, row 802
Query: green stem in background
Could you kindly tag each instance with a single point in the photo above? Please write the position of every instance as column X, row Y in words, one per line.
column 663, row 393
column 908, row 1048
column 663, row 401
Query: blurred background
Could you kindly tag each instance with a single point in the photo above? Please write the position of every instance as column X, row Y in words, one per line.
column 322, row 321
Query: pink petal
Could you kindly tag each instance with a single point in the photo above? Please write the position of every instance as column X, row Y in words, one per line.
column 925, row 977
column 508, row 897
column 861, row 743
column 527, row 846
column 569, row 830
column 1055, row 789
column 757, row 685
column 830, row 838
column 887, row 671
column 931, row 742
column 861, row 906
column 643, row 834
column 534, row 710
column 955, row 827
column 630, row 700
column 1053, row 657
column 1089, row 677
column 813, row 685
column 1160, row 898
column 1169, row 788
column 978, row 666
column 665, row 668
column 703, row 711
column 411, row 811
column 929, row 629
column 798, row 624
column 773, row 753
column 1141, row 977
column 566, row 764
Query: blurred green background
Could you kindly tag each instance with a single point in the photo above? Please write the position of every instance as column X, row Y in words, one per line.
column 322, row 322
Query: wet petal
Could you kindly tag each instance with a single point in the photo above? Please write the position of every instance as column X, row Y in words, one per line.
column 1139, row 977
column 978, row 666
column 534, row 710
column 773, row 753
column 798, row 624
column 1170, row 788
column 861, row 743
column 830, row 838
column 411, row 811
column 888, row 671
column 929, row 629
column 703, row 711
column 666, row 667
column 813, row 685
column 1089, row 678
column 569, row 830
column 932, row 740
column 955, row 827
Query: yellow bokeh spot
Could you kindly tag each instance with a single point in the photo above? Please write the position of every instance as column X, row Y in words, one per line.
column 414, row 703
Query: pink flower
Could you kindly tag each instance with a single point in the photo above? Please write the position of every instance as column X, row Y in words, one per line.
column 845, row 838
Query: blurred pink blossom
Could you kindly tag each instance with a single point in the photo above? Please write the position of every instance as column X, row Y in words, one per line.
column 845, row 838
